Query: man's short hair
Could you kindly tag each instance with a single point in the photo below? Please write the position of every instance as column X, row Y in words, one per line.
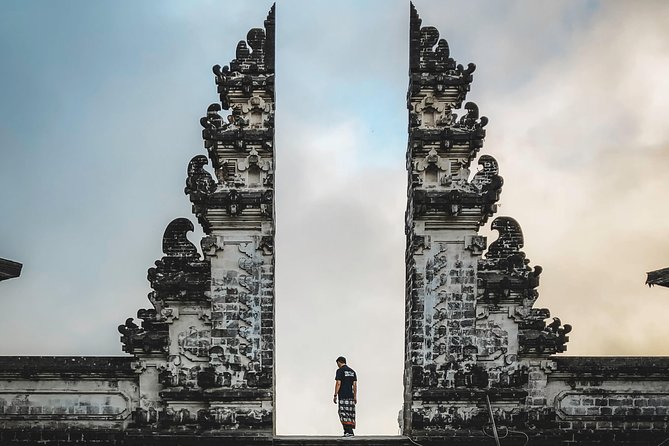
column 341, row 359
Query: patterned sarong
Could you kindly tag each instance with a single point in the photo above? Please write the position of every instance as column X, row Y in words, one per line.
column 347, row 412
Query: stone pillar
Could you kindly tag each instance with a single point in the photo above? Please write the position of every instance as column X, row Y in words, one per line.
column 445, row 209
column 205, row 352
column 236, row 210
column 471, row 331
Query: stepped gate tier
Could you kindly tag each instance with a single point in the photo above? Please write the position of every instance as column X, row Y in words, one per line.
column 482, row 362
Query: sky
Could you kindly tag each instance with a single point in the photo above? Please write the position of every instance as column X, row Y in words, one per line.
column 99, row 116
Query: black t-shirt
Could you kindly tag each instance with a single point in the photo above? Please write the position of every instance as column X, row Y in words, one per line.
column 347, row 376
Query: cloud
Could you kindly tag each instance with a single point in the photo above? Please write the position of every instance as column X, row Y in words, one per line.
column 581, row 146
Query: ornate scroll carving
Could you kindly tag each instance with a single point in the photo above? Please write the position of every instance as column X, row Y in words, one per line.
column 199, row 186
column 431, row 65
column 472, row 120
column 505, row 276
column 537, row 337
column 504, row 273
column 180, row 274
column 152, row 336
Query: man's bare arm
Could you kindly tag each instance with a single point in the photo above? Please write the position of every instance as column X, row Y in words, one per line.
column 355, row 392
column 337, row 386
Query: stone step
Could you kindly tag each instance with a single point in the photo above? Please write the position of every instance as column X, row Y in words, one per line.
column 358, row 440
column 148, row 438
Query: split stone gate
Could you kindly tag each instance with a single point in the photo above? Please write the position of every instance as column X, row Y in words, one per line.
column 200, row 368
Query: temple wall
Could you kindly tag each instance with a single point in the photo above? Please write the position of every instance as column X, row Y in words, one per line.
column 610, row 393
column 62, row 393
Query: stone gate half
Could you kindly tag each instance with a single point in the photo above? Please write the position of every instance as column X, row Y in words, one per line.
column 202, row 357
column 476, row 348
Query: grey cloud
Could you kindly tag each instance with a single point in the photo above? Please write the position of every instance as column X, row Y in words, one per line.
column 581, row 147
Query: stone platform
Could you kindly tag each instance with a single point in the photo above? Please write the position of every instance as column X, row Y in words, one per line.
column 73, row 436
column 366, row 440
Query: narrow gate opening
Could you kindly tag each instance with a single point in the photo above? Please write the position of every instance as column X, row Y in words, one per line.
column 340, row 201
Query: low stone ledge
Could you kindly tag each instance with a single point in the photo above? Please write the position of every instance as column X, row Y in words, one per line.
column 29, row 436
column 35, row 367
column 237, row 394
column 372, row 440
column 495, row 394
column 55, row 437
column 543, row 437
column 204, row 438
column 614, row 366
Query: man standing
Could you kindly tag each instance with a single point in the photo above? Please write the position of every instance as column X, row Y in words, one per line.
column 346, row 388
